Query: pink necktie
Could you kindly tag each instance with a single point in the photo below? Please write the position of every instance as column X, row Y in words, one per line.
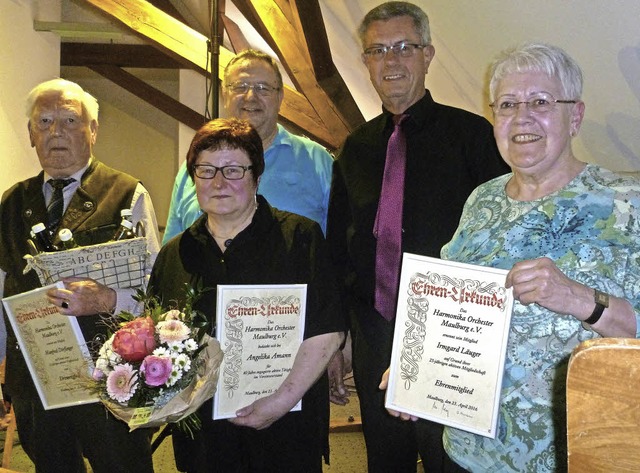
column 388, row 225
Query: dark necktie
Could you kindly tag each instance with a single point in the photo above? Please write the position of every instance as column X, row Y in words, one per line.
column 55, row 208
column 388, row 225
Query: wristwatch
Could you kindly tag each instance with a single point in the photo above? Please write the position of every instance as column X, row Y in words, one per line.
column 602, row 302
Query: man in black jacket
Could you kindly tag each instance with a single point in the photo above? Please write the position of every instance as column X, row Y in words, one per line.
column 448, row 153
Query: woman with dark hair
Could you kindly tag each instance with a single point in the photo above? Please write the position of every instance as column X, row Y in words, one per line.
column 240, row 239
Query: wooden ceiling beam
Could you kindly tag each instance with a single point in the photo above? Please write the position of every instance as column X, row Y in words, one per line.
column 169, row 8
column 122, row 55
column 252, row 17
column 167, row 33
column 325, row 71
column 236, row 37
column 182, row 42
column 150, row 94
column 294, row 55
column 285, row 7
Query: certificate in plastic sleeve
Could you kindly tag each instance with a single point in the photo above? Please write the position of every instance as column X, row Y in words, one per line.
column 449, row 346
column 260, row 328
column 53, row 347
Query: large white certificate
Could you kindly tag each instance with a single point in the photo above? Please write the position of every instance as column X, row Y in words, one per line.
column 452, row 327
column 53, row 347
column 260, row 329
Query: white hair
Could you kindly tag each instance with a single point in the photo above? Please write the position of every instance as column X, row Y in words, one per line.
column 89, row 102
column 538, row 57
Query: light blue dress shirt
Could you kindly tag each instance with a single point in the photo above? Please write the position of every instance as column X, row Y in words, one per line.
column 296, row 178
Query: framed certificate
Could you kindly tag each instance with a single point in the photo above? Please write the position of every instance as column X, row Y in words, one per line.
column 451, row 332
column 260, row 328
column 53, row 347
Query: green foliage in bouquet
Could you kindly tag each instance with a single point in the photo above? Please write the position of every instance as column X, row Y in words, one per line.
column 152, row 358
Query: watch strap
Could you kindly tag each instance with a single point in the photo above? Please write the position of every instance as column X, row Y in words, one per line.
column 602, row 302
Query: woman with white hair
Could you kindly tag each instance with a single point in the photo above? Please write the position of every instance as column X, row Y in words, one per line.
column 567, row 232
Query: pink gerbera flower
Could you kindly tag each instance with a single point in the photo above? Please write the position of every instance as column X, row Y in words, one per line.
column 156, row 369
column 122, row 383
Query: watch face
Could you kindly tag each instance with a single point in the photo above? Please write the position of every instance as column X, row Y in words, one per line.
column 602, row 298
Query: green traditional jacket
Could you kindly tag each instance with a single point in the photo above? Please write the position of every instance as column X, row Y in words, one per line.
column 93, row 215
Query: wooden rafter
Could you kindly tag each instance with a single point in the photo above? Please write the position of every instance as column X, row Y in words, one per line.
column 236, row 37
column 168, row 7
column 297, row 43
column 121, row 55
column 190, row 48
column 324, row 70
column 150, row 94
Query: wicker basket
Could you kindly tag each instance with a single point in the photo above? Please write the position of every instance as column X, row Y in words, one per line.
column 115, row 264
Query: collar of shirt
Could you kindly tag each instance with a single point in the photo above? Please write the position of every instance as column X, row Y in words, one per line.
column 69, row 190
column 283, row 138
column 419, row 114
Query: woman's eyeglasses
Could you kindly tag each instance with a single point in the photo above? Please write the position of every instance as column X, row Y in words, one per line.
column 538, row 104
column 209, row 171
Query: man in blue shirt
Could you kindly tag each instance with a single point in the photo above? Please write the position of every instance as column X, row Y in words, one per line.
column 297, row 175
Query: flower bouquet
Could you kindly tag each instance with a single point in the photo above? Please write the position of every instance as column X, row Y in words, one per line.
column 158, row 367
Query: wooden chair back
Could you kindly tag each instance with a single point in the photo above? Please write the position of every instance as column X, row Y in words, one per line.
column 603, row 406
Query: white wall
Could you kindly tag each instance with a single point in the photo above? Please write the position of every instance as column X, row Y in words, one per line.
column 133, row 136
column 603, row 36
column 139, row 140
column 192, row 94
column 28, row 58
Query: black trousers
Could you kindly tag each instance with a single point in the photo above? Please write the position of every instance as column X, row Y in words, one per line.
column 392, row 444
column 57, row 440
column 292, row 444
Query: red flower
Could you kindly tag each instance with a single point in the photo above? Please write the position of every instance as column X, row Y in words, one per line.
column 135, row 340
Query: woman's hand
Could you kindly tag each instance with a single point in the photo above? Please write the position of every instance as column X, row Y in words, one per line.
column 262, row 413
column 540, row 281
column 310, row 363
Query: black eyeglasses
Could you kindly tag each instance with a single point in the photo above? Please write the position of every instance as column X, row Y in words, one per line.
column 209, row 171
column 401, row 49
column 539, row 104
column 262, row 89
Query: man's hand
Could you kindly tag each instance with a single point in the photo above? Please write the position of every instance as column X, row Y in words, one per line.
column 339, row 367
column 83, row 296
column 384, row 382
column 338, row 393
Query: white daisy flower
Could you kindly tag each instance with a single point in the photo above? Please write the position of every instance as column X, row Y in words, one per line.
column 183, row 362
column 190, row 345
column 176, row 375
column 176, row 346
column 161, row 351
